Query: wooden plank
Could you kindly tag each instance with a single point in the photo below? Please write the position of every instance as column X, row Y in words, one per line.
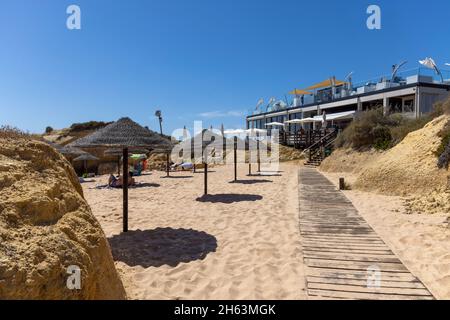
column 362, row 296
column 359, row 274
column 356, row 282
column 354, row 240
column 354, row 265
column 350, row 256
column 366, row 251
column 365, row 289
column 342, row 242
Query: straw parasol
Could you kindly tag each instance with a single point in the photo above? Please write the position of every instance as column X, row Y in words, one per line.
column 85, row 158
column 66, row 150
column 119, row 152
column 199, row 144
column 124, row 134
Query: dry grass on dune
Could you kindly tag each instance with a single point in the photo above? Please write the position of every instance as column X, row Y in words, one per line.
column 410, row 168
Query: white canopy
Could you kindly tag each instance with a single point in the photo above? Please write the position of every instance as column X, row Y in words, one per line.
column 234, row 132
column 255, row 131
column 336, row 116
column 305, row 120
column 320, row 118
column 274, row 124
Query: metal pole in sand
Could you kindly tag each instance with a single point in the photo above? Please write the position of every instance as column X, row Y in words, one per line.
column 167, row 164
column 235, row 159
column 257, row 147
column 125, row 190
column 206, row 178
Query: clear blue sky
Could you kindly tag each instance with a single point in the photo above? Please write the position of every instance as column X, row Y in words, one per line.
column 204, row 60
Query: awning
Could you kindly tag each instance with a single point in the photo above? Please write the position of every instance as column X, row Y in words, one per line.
column 305, row 120
column 329, row 117
column 255, row 131
column 325, row 84
column 299, row 92
column 138, row 157
column 337, row 116
column 234, row 132
column 274, row 124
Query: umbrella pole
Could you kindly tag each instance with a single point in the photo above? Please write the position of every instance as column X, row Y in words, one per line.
column 118, row 164
column 167, row 164
column 249, row 168
column 205, row 161
column 206, row 179
column 125, row 189
column 85, row 167
column 259, row 159
column 235, row 159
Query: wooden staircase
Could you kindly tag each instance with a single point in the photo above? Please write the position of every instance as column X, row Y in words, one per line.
column 321, row 149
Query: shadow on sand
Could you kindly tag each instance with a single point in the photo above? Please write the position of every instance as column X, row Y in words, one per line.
column 253, row 181
column 162, row 246
column 262, row 174
column 229, row 198
column 144, row 185
column 177, row 177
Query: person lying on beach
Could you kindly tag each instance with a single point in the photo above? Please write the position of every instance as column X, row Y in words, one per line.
column 118, row 182
column 185, row 166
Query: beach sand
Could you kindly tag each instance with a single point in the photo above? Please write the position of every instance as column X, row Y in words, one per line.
column 421, row 241
column 242, row 242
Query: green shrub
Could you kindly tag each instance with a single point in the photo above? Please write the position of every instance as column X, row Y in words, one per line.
column 373, row 129
column 48, row 130
column 91, row 125
column 368, row 129
column 443, row 151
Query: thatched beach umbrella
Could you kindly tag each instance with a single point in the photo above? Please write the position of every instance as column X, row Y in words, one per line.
column 235, row 134
column 71, row 151
column 66, row 150
column 256, row 133
column 124, row 134
column 85, row 158
column 119, row 152
column 199, row 144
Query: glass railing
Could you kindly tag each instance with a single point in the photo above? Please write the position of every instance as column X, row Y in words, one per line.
column 382, row 82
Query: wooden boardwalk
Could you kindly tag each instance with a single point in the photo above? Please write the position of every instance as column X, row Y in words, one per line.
column 344, row 257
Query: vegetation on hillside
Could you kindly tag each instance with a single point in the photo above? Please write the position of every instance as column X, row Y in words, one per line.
column 373, row 129
column 12, row 133
column 91, row 125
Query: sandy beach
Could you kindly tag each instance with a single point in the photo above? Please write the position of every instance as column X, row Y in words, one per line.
column 242, row 242
column 421, row 241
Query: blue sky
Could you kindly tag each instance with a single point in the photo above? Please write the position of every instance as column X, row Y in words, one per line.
column 195, row 60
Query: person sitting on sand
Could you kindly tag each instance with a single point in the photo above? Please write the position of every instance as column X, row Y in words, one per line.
column 118, row 182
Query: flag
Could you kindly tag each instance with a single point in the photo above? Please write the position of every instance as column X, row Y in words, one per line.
column 429, row 63
column 260, row 103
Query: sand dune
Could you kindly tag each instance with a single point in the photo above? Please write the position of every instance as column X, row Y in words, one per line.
column 242, row 242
